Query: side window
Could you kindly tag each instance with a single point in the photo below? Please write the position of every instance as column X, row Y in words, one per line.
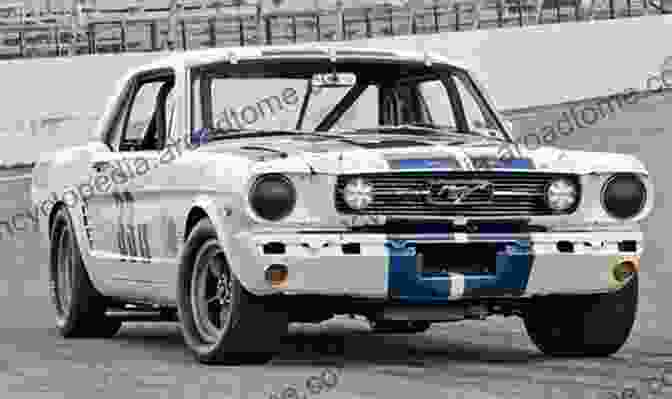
column 145, row 120
column 437, row 103
column 142, row 111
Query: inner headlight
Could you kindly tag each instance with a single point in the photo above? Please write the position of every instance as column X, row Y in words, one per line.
column 623, row 196
column 358, row 193
column 272, row 197
column 561, row 194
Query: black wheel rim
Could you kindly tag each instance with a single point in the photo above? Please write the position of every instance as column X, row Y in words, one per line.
column 211, row 292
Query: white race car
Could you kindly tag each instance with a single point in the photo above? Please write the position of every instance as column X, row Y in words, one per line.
column 238, row 190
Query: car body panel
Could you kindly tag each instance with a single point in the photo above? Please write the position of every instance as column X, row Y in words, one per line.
column 214, row 178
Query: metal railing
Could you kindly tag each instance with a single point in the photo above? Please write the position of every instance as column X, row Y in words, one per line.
column 90, row 31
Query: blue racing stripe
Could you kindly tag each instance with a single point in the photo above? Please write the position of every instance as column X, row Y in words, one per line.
column 512, row 258
column 515, row 258
column 405, row 283
column 438, row 163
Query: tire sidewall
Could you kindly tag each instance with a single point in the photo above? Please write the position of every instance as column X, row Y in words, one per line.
column 80, row 294
column 594, row 325
column 200, row 235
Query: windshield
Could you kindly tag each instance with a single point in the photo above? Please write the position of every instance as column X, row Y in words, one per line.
column 381, row 97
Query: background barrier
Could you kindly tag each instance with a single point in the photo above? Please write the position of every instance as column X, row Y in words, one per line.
column 37, row 28
column 49, row 103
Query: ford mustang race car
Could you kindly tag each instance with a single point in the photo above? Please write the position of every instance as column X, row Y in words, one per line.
column 238, row 190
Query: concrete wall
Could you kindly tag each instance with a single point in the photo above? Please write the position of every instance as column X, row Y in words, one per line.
column 521, row 67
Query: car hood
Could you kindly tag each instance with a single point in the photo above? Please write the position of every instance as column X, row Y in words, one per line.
column 379, row 153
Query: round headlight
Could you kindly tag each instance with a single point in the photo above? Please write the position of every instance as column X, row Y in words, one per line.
column 272, row 197
column 358, row 193
column 623, row 196
column 561, row 194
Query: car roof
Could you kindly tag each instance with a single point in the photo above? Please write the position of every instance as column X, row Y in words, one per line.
column 191, row 58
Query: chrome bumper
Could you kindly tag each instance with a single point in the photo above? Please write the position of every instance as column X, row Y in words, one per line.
column 383, row 266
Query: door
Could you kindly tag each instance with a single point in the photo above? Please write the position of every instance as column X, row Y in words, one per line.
column 128, row 224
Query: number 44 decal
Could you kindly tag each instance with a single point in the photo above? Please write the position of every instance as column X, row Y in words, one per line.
column 132, row 239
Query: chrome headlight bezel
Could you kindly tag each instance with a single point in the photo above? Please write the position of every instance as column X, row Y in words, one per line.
column 574, row 189
column 357, row 193
column 644, row 193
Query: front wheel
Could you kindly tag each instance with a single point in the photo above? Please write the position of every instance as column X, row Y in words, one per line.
column 583, row 325
column 223, row 323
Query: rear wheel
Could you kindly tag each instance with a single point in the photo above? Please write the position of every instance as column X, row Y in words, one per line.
column 80, row 309
column 221, row 321
column 583, row 325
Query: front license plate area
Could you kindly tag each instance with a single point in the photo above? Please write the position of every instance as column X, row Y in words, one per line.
column 443, row 258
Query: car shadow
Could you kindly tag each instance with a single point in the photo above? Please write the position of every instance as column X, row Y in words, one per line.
column 343, row 346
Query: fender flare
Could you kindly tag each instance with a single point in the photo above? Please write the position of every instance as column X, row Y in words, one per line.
column 217, row 212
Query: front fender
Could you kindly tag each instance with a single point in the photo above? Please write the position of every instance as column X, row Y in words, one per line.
column 220, row 211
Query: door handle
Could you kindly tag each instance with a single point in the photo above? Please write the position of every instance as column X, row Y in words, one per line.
column 100, row 166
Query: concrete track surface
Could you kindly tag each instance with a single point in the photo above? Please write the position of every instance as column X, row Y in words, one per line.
column 478, row 359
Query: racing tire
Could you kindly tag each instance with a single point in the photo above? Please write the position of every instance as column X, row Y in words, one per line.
column 399, row 327
column 595, row 325
column 80, row 308
column 222, row 322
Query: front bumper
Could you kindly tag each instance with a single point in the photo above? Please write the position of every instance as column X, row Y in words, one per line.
column 387, row 267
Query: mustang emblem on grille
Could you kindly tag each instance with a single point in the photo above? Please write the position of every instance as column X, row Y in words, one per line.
column 454, row 192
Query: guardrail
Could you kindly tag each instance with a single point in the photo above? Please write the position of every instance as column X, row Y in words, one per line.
column 90, row 31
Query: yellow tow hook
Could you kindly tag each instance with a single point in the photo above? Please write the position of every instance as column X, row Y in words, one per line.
column 622, row 270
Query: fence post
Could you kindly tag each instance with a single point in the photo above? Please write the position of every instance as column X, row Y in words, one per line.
column 57, row 39
column 318, row 30
column 557, row 10
column 212, row 33
column 154, row 35
column 390, row 20
column 476, row 14
column 500, row 13
column 75, row 25
column 294, row 28
column 185, row 35
column 612, row 13
column 520, row 13
column 260, row 23
column 269, row 32
column 241, row 30
column 122, row 26
column 341, row 20
column 171, row 40
column 457, row 16
column 367, row 22
column 92, row 38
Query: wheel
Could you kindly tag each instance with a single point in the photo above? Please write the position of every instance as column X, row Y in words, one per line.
column 583, row 325
column 80, row 309
column 223, row 323
column 400, row 327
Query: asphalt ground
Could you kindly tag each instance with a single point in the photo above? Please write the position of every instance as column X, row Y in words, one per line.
column 475, row 359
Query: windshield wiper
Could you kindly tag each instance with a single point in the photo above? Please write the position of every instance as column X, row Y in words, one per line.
column 413, row 130
column 281, row 154
column 223, row 134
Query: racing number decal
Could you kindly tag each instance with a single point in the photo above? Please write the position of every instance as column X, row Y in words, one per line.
column 132, row 239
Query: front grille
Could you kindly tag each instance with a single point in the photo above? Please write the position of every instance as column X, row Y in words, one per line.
column 418, row 194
